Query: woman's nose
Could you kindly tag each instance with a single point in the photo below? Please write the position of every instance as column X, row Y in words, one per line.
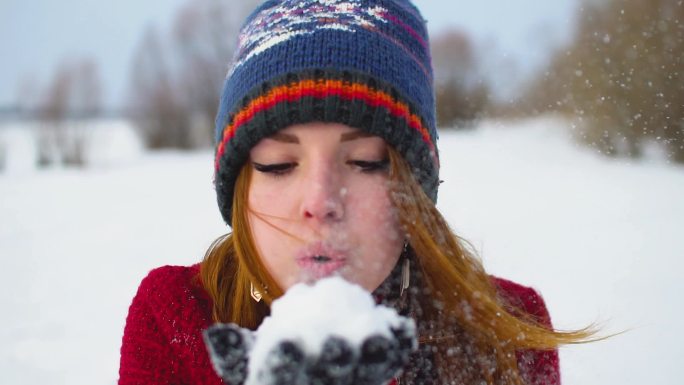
column 323, row 196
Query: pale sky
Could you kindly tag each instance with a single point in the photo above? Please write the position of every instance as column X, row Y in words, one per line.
column 36, row 35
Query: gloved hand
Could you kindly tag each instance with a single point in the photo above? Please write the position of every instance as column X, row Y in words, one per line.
column 376, row 361
column 229, row 347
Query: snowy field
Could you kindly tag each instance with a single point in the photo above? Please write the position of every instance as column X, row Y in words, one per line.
column 601, row 239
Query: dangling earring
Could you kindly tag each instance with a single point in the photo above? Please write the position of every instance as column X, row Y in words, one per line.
column 405, row 271
column 254, row 293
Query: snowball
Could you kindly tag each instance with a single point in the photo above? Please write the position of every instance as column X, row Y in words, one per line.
column 310, row 314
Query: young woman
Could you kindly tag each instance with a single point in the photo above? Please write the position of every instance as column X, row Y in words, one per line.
column 326, row 163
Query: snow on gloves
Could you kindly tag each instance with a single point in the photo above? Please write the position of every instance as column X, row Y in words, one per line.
column 331, row 333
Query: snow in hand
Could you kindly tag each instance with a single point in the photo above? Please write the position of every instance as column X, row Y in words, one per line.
column 329, row 329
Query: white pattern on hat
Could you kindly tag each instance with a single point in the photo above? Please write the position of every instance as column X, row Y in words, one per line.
column 279, row 24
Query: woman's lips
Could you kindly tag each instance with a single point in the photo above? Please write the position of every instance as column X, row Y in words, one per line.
column 316, row 268
column 318, row 260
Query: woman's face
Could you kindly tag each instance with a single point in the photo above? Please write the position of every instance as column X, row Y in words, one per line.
column 319, row 205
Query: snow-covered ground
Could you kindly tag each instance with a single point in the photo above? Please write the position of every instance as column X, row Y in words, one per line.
column 600, row 238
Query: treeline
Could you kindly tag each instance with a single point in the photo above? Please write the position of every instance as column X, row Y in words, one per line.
column 175, row 79
column 621, row 77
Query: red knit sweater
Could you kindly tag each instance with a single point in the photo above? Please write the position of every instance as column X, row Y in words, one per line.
column 162, row 341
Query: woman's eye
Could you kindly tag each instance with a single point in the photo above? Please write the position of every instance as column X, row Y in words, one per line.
column 370, row 166
column 276, row 169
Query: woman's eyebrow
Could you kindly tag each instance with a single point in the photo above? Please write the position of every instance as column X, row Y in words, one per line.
column 285, row 138
column 347, row 136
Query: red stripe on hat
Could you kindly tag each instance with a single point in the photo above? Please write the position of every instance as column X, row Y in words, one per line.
column 322, row 89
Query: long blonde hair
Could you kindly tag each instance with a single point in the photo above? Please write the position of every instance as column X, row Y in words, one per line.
column 458, row 287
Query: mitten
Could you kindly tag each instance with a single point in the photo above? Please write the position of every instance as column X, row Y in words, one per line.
column 331, row 333
column 229, row 346
column 335, row 365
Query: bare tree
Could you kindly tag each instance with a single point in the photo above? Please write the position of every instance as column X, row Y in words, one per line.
column 156, row 106
column 205, row 36
column 53, row 115
column 460, row 90
column 86, row 100
column 28, row 95
column 72, row 97
column 176, row 95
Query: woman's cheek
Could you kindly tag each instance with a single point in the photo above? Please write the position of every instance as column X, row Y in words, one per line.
column 269, row 198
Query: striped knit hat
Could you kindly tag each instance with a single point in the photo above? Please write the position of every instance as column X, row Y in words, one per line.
column 362, row 63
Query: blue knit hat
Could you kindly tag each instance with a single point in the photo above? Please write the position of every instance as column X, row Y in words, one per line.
column 362, row 63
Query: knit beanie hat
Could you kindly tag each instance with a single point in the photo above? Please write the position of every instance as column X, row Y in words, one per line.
column 362, row 63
